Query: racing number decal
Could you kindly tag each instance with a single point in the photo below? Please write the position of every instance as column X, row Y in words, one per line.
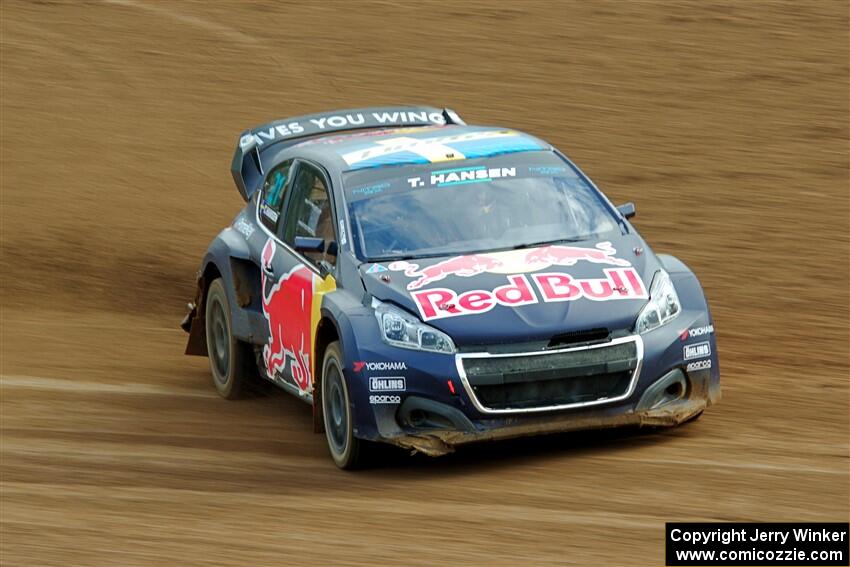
column 292, row 306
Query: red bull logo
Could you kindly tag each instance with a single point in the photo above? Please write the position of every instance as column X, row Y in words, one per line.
column 618, row 283
column 287, row 306
column 520, row 261
column 464, row 266
column 557, row 255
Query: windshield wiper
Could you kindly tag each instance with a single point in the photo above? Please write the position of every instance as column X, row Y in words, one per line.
column 456, row 253
column 545, row 242
column 407, row 257
column 388, row 259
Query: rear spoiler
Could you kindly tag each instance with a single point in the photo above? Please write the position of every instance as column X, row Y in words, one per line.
column 247, row 165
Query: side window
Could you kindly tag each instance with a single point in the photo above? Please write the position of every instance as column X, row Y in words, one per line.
column 309, row 212
column 274, row 190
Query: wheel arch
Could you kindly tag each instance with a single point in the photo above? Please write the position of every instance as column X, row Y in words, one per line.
column 228, row 257
column 354, row 322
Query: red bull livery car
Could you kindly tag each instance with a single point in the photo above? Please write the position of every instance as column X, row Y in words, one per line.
column 426, row 283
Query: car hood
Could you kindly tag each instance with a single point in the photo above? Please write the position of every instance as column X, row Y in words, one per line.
column 522, row 295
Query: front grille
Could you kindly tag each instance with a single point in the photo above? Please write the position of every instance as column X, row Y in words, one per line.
column 553, row 380
column 575, row 337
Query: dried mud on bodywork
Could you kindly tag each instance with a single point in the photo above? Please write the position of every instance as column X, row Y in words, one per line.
column 439, row 443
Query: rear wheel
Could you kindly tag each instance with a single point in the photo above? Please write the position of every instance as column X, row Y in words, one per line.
column 231, row 360
column 346, row 450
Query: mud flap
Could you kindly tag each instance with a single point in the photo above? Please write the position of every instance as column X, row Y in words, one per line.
column 195, row 324
column 197, row 343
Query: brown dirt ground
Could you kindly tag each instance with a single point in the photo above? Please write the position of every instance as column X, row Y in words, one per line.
column 726, row 122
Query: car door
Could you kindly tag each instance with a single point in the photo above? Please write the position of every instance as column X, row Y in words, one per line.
column 270, row 215
column 293, row 281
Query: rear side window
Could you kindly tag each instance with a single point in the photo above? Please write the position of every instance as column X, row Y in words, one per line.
column 274, row 191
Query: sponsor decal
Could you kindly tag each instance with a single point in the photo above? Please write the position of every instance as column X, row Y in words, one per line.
column 269, row 213
column 698, row 365
column 461, row 176
column 437, row 303
column 367, row 134
column 387, row 384
column 274, row 193
column 465, row 266
column 243, row 227
column 376, row 269
column 384, row 399
column 373, row 366
column 697, row 350
column 557, row 255
column 287, row 306
column 696, row 332
column 334, row 121
column 271, row 134
column 546, row 170
column 434, row 149
column 370, row 189
column 618, row 283
column 512, row 262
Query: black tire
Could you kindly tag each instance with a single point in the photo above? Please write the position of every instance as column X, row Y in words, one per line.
column 347, row 451
column 231, row 360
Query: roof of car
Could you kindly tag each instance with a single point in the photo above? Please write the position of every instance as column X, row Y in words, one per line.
column 415, row 145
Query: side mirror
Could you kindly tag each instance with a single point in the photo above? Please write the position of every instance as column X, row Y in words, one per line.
column 309, row 244
column 627, row 210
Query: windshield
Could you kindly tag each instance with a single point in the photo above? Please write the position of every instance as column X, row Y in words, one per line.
column 512, row 201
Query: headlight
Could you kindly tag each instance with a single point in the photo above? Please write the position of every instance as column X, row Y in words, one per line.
column 399, row 328
column 663, row 305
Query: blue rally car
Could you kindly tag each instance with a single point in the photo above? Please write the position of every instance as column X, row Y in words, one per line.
column 426, row 283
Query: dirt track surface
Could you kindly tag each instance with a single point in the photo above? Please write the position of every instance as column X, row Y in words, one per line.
column 727, row 124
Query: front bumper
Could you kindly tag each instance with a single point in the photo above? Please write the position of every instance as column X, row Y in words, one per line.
column 671, row 400
column 433, row 405
column 664, row 389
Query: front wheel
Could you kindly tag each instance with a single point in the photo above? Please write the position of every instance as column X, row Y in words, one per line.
column 347, row 451
column 231, row 362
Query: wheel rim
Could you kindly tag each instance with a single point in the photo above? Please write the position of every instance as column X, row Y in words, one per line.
column 220, row 343
column 336, row 410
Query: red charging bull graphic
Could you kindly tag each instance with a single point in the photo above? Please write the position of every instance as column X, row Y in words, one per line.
column 465, row 266
column 287, row 305
column 508, row 262
column 557, row 255
column 621, row 282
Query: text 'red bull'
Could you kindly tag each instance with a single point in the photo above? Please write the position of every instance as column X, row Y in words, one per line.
column 618, row 283
column 287, row 304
